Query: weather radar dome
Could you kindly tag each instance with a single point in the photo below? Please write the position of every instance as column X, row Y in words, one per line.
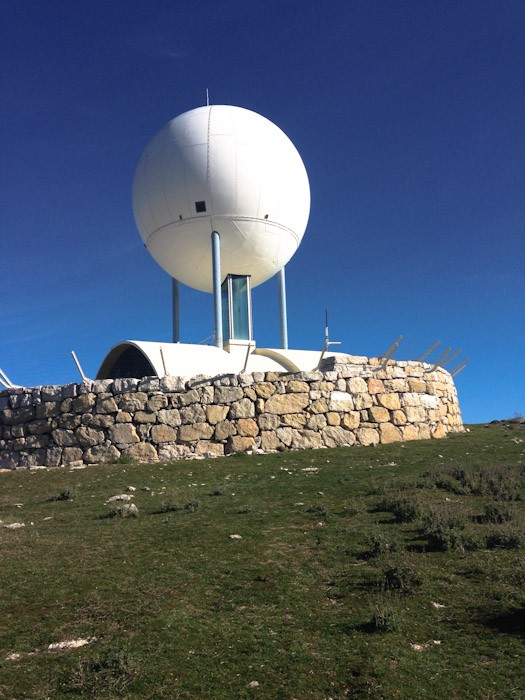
column 225, row 169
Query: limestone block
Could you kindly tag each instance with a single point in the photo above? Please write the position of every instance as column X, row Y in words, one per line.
column 306, row 440
column 9, row 459
column 273, row 376
column 17, row 416
column 102, row 386
column 411, row 399
column 297, row 387
column 250, row 393
column 23, row 400
column 86, row 387
column 368, row 436
column 176, row 384
column 215, row 414
column 415, row 414
column 149, row 384
column 351, row 420
column 335, row 436
column 102, row 421
column 378, row 414
column 356, row 385
column 69, row 421
column 101, row 454
column 33, row 442
column 424, row 431
column 390, row 401
column 173, row 453
column 341, row 401
column 268, row 421
column 35, row 458
column 333, row 418
column 156, row 402
column 51, row 393
column 264, row 389
column 123, row 417
column 228, row 394
column 64, row 438
column 207, row 394
column 89, row 437
column 318, row 421
column 39, row 427
column 439, row 431
column 142, row 452
column 53, row 457
column 399, row 418
column 389, row 433
column 311, row 376
column 399, row 386
column 190, row 433
column 209, row 449
column 224, row 429
column 285, row 435
column 71, row 454
column 83, row 403
column 192, row 414
column 123, row 385
column 375, row 386
column 318, row 406
column 245, row 379
column 132, row 402
column 106, row 404
column 247, row 427
column 294, row 420
column 417, row 386
column 258, row 376
column 269, row 441
column 169, row 416
column 144, row 431
column 143, row 417
column 362, row 401
column 410, row 432
column 47, row 410
column 165, row 433
column 259, row 406
column 242, row 409
column 287, row 403
column 123, row 434
column 237, row 444
column 429, row 401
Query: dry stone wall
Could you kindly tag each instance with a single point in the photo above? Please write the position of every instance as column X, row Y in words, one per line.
column 351, row 401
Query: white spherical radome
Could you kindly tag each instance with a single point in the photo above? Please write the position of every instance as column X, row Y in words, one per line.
column 225, row 169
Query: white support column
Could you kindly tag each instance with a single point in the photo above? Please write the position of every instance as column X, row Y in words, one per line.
column 282, row 309
column 175, row 310
column 217, row 299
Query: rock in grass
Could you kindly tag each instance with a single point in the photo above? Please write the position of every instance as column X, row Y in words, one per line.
column 14, row 526
column 119, row 497
column 235, row 537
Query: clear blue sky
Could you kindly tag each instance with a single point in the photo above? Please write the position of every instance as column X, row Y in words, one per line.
column 409, row 116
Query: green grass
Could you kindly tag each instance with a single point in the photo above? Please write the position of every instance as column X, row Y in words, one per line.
column 388, row 572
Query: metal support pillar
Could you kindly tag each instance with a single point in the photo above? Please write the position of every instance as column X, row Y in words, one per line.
column 282, row 309
column 175, row 310
column 217, row 299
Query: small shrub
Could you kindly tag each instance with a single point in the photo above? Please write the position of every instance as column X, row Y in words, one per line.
column 500, row 512
column 108, row 674
column 404, row 578
column 317, row 510
column 125, row 459
column 216, row 492
column 385, row 615
column 190, row 507
column 379, row 545
column 405, row 509
column 506, row 537
column 62, row 496
column 444, row 529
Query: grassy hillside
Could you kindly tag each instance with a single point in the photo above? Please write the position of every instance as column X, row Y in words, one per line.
column 388, row 572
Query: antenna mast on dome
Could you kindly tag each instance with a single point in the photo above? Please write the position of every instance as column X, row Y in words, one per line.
column 207, row 98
